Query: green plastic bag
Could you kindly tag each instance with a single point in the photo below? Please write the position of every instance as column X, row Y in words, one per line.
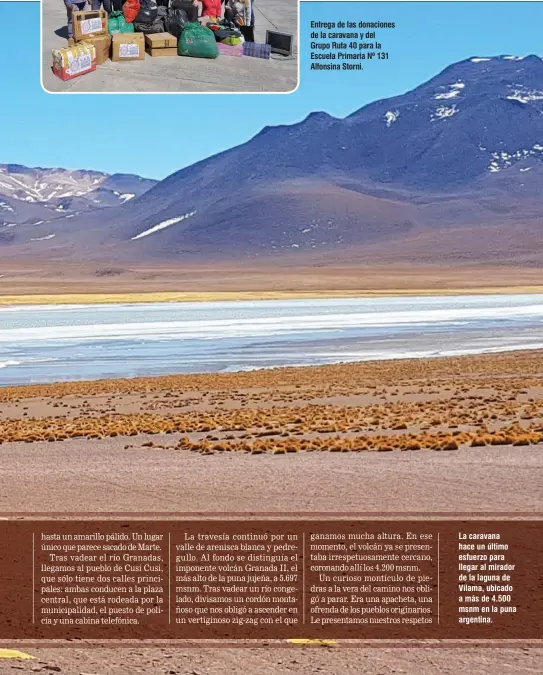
column 198, row 41
column 232, row 41
column 117, row 24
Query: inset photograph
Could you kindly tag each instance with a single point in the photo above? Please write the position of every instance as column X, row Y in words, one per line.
column 168, row 46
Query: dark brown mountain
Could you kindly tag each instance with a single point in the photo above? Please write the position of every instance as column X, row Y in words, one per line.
column 451, row 171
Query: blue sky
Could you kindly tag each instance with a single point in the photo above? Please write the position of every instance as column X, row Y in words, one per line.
column 38, row 128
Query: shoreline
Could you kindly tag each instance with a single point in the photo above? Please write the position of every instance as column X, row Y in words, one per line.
column 381, row 371
column 168, row 377
column 15, row 300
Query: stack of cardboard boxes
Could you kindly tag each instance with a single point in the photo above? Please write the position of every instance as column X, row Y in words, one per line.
column 93, row 46
column 161, row 44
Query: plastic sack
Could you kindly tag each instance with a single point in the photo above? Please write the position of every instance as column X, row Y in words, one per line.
column 175, row 21
column 146, row 15
column 117, row 24
column 186, row 5
column 232, row 41
column 131, row 10
column 149, row 28
column 197, row 41
column 222, row 34
column 148, row 11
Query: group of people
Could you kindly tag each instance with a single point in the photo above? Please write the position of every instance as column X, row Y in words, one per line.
column 239, row 12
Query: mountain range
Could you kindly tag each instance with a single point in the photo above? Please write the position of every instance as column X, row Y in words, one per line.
column 450, row 171
column 35, row 196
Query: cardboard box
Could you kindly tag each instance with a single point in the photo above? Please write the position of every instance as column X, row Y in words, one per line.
column 128, row 47
column 167, row 51
column 89, row 23
column 160, row 40
column 74, row 61
column 102, row 44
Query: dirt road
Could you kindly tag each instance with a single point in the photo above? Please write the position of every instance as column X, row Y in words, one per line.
column 99, row 475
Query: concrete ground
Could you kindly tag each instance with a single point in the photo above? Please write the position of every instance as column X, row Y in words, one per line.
column 181, row 74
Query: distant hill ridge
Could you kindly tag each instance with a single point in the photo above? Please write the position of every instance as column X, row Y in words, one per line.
column 452, row 170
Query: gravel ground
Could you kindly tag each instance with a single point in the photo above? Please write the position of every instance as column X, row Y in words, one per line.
column 100, row 475
column 314, row 661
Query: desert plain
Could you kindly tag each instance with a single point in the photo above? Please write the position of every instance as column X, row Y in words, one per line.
column 443, row 404
column 35, row 282
column 426, row 435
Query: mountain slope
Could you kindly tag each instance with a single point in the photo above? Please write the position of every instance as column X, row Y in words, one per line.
column 32, row 194
column 450, row 170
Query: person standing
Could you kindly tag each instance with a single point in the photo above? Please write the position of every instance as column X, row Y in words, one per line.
column 248, row 31
column 241, row 13
column 71, row 6
column 211, row 10
column 97, row 4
